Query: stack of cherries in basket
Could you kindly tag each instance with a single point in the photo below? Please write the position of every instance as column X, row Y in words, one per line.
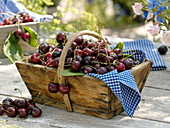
column 84, row 56
column 19, row 108
column 22, row 17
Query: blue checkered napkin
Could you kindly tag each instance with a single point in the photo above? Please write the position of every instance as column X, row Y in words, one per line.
column 124, row 87
column 15, row 7
column 150, row 51
column 137, row 54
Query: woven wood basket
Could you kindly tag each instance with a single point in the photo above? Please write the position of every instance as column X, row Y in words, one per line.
column 88, row 95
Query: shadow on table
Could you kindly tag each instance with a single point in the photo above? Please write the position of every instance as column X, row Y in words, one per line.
column 5, row 61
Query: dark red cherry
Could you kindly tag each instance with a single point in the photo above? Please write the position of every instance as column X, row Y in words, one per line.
column 34, row 59
column 113, row 55
column 49, row 62
column 70, row 53
column 44, row 48
column 7, row 99
column 53, row 87
column 88, row 52
column 78, row 52
column 88, row 70
column 7, row 21
column 92, row 45
column 117, row 50
column 30, row 19
column 162, row 49
column 97, row 65
column 20, row 103
column 6, row 104
column 61, row 37
column 75, row 66
column 26, row 16
column 48, row 55
column 88, row 60
column 79, row 40
column 111, row 68
column 86, row 44
column 119, row 55
column 128, row 63
column 64, row 89
column 56, row 54
column 11, row 112
column 15, row 20
column 55, row 62
column 30, row 101
column 36, row 112
column 22, row 14
column 22, row 112
column 30, row 107
column 120, row 66
column 74, row 45
column 18, row 33
column 1, row 110
column 108, row 59
column 78, row 58
column 104, row 51
column 101, row 70
column 26, row 36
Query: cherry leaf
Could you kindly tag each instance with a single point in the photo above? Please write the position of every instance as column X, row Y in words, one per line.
column 33, row 40
column 127, row 56
column 12, row 49
column 68, row 72
column 120, row 45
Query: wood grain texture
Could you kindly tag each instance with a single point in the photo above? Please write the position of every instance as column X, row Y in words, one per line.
column 88, row 95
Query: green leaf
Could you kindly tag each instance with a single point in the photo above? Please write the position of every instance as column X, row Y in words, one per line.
column 68, row 72
column 12, row 49
column 120, row 45
column 127, row 56
column 33, row 40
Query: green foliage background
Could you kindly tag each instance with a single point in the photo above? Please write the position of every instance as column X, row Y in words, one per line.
column 86, row 20
column 93, row 18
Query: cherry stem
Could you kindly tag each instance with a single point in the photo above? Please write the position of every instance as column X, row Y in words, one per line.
column 99, row 62
column 37, row 96
column 89, row 66
column 17, row 89
column 45, row 104
column 5, row 104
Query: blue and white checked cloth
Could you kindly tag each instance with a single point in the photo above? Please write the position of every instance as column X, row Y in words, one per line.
column 15, row 7
column 137, row 54
column 150, row 51
column 124, row 87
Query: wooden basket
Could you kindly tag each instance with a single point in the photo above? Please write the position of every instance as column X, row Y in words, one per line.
column 88, row 95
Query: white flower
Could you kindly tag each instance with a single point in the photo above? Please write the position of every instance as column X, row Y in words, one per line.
column 166, row 37
column 137, row 8
column 150, row 15
column 154, row 30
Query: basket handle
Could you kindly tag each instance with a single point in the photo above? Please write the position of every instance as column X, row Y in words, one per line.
column 61, row 79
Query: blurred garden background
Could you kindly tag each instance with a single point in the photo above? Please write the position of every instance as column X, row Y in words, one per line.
column 110, row 17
